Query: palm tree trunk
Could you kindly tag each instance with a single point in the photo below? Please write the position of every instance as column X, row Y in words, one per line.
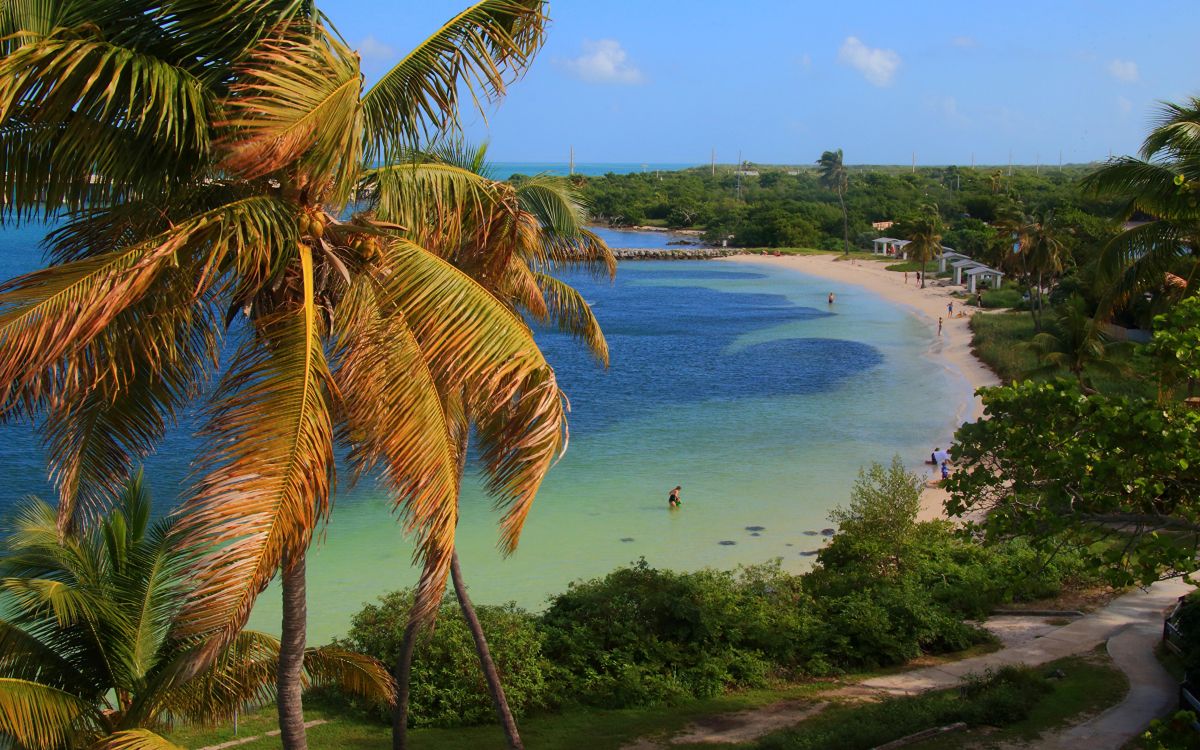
column 403, row 674
column 499, row 702
column 1035, row 303
column 845, row 222
column 291, row 656
column 922, row 274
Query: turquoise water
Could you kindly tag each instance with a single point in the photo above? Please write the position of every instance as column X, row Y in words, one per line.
column 737, row 381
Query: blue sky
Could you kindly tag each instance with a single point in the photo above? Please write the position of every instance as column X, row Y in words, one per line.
column 783, row 80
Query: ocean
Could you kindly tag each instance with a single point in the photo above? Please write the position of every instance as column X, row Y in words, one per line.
column 736, row 381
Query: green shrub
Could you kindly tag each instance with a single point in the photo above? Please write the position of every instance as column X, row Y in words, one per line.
column 1008, row 296
column 642, row 636
column 1172, row 733
column 448, row 687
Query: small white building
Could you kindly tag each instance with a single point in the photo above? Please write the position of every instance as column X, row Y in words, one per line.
column 982, row 273
column 948, row 255
column 962, row 265
column 890, row 246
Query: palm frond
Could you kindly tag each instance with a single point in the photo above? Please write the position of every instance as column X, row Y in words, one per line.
column 297, row 104
column 481, row 48
column 572, row 314
column 395, row 420
column 354, row 673
column 41, row 716
column 267, row 474
column 236, row 675
column 135, row 739
column 431, row 200
column 24, row 656
column 78, row 104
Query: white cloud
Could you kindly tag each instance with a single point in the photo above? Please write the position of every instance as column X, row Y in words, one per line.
column 1124, row 105
column 964, row 41
column 1123, row 70
column 877, row 65
column 371, row 48
column 604, row 61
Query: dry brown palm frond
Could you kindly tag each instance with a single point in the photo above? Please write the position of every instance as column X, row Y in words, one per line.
column 266, row 475
column 572, row 314
column 296, row 106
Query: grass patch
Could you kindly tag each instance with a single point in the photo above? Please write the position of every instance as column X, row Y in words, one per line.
column 1001, row 341
column 603, row 729
column 1091, row 685
column 1005, row 297
column 1013, row 705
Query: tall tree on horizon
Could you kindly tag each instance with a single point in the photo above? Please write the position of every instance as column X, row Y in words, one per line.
column 203, row 159
column 833, row 176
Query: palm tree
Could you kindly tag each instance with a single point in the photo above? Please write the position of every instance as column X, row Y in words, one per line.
column 1162, row 183
column 203, row 160
column 833, row 176
column 510, row 238
column 925, row 237
column 1077, row 344
column 1042, row 255
column 92, row 646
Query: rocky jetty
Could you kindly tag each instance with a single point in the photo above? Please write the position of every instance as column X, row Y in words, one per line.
column 681, row 253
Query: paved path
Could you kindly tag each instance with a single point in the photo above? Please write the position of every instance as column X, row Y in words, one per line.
column 1139, row 608
column 1152, row 693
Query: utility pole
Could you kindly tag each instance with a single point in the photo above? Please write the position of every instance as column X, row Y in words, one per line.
column 571, row 164
column 914, row 167
column 1038, row 163
column 1010, row 162
column 972, row 160
column 739, row 175
column 714, row 162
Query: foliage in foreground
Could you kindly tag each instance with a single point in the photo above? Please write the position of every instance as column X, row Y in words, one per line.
column 887, row 589
column 93, row 651
column 1113, row 475
column 448, row 688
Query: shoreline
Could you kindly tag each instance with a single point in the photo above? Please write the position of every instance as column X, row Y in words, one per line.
column 952, row 349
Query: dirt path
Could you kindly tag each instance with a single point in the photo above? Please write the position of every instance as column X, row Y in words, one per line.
column 1132, row 622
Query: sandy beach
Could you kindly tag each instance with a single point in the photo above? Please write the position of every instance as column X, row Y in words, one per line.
column 952, row 349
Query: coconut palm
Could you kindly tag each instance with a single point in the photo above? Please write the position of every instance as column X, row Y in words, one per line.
column 925, row 237
column 203, row 159
column 1163, row 184
column 510, row 238
column 94, row 651
column 1042, row 256
column 833, row 176
column 1076, row 345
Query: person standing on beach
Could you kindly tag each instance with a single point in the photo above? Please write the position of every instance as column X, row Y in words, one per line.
column 950, row 308
column 831, row 298
column 906, row 277
column 939, row 326
column 918, row 278
column 673, row 500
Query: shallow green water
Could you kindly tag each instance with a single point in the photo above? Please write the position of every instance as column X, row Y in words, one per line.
column 733, row 380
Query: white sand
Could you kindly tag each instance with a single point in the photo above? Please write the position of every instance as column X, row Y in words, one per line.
column 953, row 349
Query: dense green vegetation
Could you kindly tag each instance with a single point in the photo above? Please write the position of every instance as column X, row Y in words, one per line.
column 783, row 206
column 887, row 589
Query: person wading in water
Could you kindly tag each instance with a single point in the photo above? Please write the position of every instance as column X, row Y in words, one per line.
column 673, row 500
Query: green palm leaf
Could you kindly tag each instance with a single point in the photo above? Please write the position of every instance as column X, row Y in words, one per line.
column 480, row 48
column 136, row 739
column 41, row 716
